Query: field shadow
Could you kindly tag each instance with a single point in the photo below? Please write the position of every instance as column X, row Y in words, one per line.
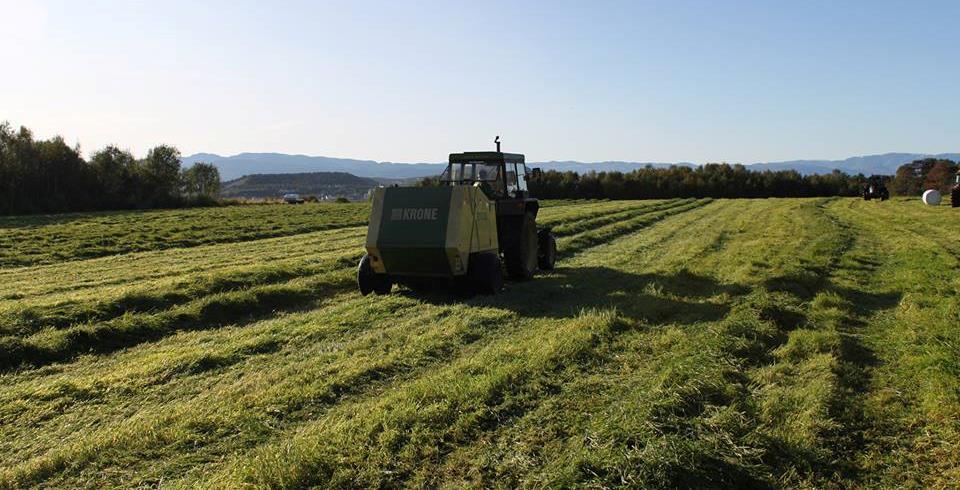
column 809, row 282
column 682, row 297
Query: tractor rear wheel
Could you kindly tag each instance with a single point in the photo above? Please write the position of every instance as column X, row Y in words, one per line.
column 546, row 250
column 369, row 281
column 485, row 272
column 520, row 253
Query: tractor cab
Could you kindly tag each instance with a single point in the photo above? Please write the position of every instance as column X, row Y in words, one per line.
column 500, row 175
column 874, row 188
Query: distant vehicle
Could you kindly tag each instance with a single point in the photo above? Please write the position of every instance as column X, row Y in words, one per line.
column 874, row 189
column 292, row 198
column 955, row 193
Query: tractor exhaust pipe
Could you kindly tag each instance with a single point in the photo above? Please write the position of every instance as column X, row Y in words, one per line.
column 497, row 141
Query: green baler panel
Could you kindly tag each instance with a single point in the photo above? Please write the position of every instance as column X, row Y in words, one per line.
column 413, row 228
column 414, row 217
column 416, row 261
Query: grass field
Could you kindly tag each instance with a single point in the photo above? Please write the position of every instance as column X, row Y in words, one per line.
column 762, row 343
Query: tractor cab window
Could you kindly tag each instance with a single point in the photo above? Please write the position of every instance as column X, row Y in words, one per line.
column 488, row 174
column 516, row 178
column 522, row 177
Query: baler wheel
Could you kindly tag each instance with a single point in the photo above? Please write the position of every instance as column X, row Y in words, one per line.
column 369, row 281
column 485, row 272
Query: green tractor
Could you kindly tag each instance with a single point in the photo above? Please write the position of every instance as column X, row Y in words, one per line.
column 874, row 188
column 478, row 222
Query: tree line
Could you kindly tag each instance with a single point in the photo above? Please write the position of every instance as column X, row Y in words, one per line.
column 49, row 176
column 929, row 173
column 718, row 180
column 722, row 180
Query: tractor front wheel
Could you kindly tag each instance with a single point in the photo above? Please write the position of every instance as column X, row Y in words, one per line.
column 521, row 252
column 547, row 250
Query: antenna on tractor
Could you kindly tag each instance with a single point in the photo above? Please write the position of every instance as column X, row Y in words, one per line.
column 497, row 141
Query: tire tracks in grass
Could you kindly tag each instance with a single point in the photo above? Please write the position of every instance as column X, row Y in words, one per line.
column 547, row 415
column 386, row 447
column 810, row 397
column 910, row 409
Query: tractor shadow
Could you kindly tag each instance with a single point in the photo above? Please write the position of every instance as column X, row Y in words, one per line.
column 682, row 298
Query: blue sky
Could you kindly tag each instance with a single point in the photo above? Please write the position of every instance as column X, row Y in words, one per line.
column 670, row 81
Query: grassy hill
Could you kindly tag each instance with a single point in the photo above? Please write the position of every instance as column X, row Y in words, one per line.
column 319, row 184
column 719, row 343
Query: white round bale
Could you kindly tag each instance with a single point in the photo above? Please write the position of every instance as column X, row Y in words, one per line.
column 931, row 197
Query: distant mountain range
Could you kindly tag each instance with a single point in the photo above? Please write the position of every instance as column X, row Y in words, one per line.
column 236, row 166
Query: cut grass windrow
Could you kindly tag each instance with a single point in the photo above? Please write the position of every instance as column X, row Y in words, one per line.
column 26, row 320
column 555, row 218
column 215, row 310
column 450, row 405
column 33, row 240
column 92, row 277
column 574, row 226
column 577, row 243
column 348, row 357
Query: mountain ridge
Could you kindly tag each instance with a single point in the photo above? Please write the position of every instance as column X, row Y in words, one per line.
column 241, row 164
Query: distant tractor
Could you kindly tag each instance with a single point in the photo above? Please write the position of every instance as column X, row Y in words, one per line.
column 292, row 198
column 874, row 189
column 955, row 192
column 480, row 220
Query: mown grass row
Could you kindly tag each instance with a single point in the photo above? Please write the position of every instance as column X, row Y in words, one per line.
column 122, row 271
column 213, row 310
column 597, row 220
column 28, row 319
column 43, row 334
column 593, row 236
column 552, row 217
column 346, row 356
column 912, row 402
column 415, row 434
column 334, row 316
column 749, row 343
column 91, row 277
column 451, row 405
column 34, row 240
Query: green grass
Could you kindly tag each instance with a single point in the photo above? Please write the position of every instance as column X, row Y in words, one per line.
column 707, row 343
column 32, row 240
